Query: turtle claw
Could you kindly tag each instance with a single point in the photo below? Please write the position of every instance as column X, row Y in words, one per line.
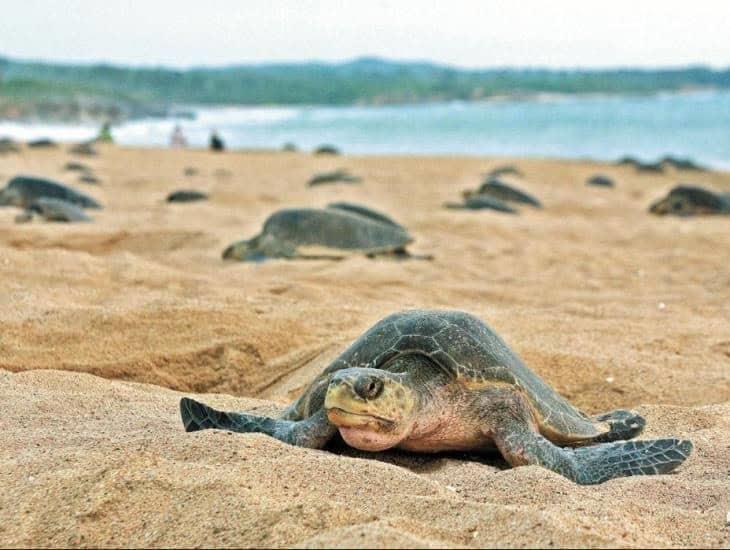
column 623, row 424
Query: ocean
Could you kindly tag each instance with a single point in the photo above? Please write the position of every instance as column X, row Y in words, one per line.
column 695, row 125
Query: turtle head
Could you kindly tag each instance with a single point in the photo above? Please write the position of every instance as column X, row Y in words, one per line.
column 373, row 409
column 245, row 251
column 10, row 197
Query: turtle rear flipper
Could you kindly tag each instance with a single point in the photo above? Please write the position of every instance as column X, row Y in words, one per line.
column 313, row 432
column 600, row 463
column 623, row 425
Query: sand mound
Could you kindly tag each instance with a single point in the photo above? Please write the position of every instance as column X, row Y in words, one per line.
column 613, row 307
column 87, row 461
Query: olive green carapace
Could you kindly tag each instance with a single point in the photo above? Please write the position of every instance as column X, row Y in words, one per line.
column 431, row 381
column 334, row 232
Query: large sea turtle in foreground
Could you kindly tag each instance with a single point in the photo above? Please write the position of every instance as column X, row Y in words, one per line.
column 318, row 233
column 691, row 200
column 23, row 191
column 430, row 381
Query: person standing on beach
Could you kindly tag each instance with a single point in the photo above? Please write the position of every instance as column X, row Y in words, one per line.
column 216, row 142
column 105, row 134
column 177, row 139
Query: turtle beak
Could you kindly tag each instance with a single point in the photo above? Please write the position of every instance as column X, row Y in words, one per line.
column 243, row 251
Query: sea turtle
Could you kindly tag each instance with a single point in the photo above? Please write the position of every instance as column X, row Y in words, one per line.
column 431, row 381
column 507, row 170
column 85, row 148
column 8, row 145
column 691, row 200
column 323, row 233
column 682, row 163
column 53, row 210
column 481, row 202
column 89, row 178
column 41, row 143
column 76, row 167
column 600, row 180
column 326, row 150
column 24, row 190
column 654, row 167
column 501, row 190
column 640, row 165
column 336, row 176
column 186, row 195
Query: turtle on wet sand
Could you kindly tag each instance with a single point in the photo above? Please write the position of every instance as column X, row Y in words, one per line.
column 53, row 210
column 327, row 233
column 481, row 202
column 430, row 381
column 24, row 190
column 691, row 200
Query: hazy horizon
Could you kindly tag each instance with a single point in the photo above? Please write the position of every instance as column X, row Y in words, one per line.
column 567, row 34
column 365, row 56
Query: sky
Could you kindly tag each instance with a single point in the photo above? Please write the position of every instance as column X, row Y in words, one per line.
column 466, row 33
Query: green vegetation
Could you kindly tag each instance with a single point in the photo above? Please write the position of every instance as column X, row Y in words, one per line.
column 365, row 80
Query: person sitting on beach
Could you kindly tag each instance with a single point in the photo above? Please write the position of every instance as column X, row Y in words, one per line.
column 105, row 134
column 177, row 139
column 216, row 142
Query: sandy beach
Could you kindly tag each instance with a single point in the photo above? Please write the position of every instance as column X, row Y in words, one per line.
column 105, row 325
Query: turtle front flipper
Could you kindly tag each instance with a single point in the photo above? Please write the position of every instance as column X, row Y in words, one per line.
column 521, row 445
column 313, row 432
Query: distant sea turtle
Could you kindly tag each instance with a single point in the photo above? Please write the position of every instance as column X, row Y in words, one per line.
column 24, row 190
column 41, row 143
column 89, row 178
column 86, row 149
column 600, row 180
column 336, row 176
column 186, row 195
column 481, row 202
column 53, row 210
column 641, row 166
column 691, row 200
column 76, row 167
column 507, row 170
column 499, row 189
column 8, row 145
column 326, row 150
column 323, row 233
column 682, row 163
column 430, row 381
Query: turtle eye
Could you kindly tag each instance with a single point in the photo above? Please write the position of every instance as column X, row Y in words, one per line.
column 677, row 205
column 368, row 387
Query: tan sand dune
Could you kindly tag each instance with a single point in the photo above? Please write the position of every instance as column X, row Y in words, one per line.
column 612, row 306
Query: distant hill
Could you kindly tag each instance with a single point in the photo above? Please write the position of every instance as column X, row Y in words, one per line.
column 127, row 92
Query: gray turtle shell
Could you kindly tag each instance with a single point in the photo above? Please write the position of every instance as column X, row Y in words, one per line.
column 472, row 352
column 495, row 187
column 57, row 210
column 25, row 190
column 334, row 228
